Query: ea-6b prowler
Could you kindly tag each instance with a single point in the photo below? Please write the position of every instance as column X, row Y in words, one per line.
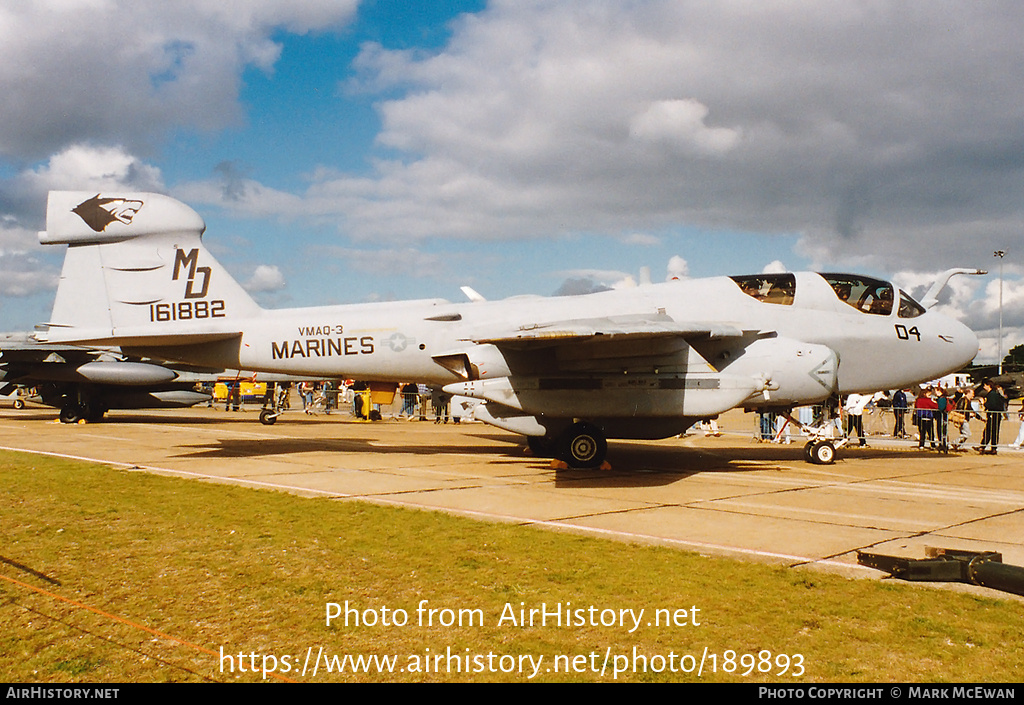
column 567, row 372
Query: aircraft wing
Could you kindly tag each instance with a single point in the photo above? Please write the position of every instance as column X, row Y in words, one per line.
column 611, row 328
column 627, row 368
column 37, row 352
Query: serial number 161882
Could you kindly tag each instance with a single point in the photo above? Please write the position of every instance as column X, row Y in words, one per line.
column 186, row 311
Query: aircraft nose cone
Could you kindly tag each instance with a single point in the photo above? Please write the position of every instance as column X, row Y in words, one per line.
column 965, row 344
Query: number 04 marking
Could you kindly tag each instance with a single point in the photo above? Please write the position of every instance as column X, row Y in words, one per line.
column 904, row 334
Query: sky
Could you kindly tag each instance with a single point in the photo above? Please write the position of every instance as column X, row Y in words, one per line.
column 365, row 150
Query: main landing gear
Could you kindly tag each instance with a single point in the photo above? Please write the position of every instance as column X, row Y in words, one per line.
column 582, row 445
column 72, row 412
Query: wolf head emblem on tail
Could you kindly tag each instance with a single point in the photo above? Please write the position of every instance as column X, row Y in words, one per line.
column 98, row 212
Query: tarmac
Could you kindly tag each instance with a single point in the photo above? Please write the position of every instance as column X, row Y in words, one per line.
column 727, row 495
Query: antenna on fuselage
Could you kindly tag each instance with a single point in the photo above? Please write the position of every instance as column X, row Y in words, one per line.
column 472, row 294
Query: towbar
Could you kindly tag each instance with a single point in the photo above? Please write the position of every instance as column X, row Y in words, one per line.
column 950, row 565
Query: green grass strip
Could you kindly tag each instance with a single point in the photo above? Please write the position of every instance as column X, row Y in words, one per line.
column 252, row 572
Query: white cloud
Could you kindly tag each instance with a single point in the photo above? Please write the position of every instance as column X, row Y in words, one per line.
column 85, row 168
column 680, row 124
column 243, row 197
column 774, row 267
column 127, row 71
column 266, row 278
column 23, row 275
column 678, row 268
column 16, row 239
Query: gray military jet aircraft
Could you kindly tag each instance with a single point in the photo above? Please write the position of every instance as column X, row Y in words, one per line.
column 567, row 372
column 85, row 383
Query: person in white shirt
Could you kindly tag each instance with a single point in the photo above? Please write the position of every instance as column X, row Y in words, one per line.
column 855, row 404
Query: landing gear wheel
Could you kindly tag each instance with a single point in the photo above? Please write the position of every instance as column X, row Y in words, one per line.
column 268, row 417
column 583, row 446
column 821, row 452
column 809, row 451
column 70, row 413
column 542, row 446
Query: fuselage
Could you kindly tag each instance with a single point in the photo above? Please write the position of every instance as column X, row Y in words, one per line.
column 397, row 341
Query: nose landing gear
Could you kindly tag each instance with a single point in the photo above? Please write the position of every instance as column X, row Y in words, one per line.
column 820, row 452
column 821, row 448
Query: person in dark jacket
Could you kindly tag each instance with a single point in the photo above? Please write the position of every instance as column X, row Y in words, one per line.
column 899, row 411
column 995, row 407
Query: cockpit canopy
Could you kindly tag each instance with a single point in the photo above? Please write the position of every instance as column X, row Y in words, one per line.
column 769, row 288
column 908, row 307
column 866, row 294
column 863, row 293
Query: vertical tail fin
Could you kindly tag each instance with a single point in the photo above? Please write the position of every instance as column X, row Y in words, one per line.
column 136, row 273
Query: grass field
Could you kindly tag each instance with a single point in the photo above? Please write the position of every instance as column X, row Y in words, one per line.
column 111, row 575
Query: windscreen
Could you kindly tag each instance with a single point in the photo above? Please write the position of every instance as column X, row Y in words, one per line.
column 865, row 294
column 908, row 307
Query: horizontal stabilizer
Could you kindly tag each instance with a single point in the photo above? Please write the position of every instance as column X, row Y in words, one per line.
column 139, row 337
column 89, row 218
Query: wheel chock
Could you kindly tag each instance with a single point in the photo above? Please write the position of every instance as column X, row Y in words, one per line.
column 562, row 465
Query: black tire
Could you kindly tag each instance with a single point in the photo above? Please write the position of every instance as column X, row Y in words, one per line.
column 70, row 413
column 267, row 417
column 19, row 404
column 809, row 451
column 583, row 446
column 823, row 453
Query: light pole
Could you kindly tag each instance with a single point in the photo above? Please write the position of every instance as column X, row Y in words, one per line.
column 1000, row 254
